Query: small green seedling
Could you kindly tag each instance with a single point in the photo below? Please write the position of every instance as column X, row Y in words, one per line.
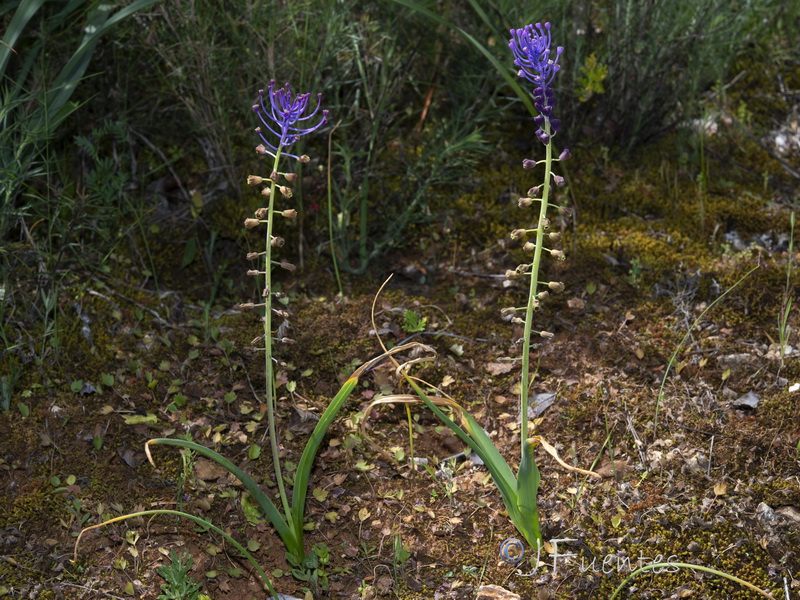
column 179, row 584
column 413, row 322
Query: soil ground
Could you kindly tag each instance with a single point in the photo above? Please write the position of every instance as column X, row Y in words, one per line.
column 705, row 472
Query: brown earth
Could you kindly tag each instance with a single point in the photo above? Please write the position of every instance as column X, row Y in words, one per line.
column 713, row 482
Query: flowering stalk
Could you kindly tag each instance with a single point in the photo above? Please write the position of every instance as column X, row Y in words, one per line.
column 532, row 54
column 283, row 118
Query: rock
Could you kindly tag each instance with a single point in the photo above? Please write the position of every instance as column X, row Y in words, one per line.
column 733, row 361
column 576, row 303
column 539, row 403
column 748, row 401
column 766, row 515
column 790, row 513
column 384, row 585
column 495, row 592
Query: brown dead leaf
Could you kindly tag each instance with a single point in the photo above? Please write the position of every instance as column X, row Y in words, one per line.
column 499, row 368
column 208, row 470
column 576, row 303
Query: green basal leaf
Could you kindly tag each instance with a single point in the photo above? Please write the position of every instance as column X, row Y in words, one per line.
column 527, row 492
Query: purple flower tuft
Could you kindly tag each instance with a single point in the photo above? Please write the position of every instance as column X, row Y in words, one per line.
column 282, row 116
column 532, row 54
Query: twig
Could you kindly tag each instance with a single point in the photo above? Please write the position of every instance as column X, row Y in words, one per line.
column 471, row 274
column 711, row 433
column 88, row 589
column 136, row 304
column 710, row 456
column 167, row 162
column 638, row 441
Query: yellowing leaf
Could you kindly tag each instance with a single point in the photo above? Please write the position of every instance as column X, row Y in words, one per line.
column 320, row 494
column 148, row 419
column 363, row 515
column 720, row 488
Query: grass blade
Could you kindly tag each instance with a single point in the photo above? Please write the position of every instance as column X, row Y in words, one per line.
column 99, row 23
column 502, row 70
column 742, row 582
column 25, row 12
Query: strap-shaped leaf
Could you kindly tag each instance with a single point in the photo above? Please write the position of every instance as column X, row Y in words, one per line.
column 293, row 545
column 480, row 443
column 310, row 452
column 303, row 473
column 527, row 492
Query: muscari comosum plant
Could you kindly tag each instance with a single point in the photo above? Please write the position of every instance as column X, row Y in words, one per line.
column 284, row 120
column 537, row 63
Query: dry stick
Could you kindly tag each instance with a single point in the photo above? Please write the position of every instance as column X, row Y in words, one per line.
column 710, row 457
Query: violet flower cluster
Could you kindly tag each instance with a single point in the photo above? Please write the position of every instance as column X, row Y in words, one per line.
column 284, row 113
column 531, row 49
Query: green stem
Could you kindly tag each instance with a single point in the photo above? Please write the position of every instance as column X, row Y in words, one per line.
column 537, row 256
column 690, row 566
column 268, row 365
